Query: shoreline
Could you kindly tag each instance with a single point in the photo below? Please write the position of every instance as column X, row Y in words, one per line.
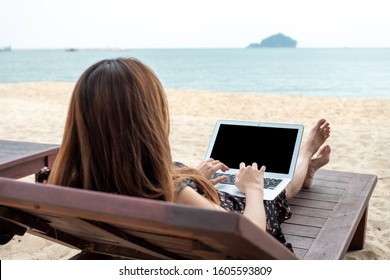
column 184, row 91
column 360, row 134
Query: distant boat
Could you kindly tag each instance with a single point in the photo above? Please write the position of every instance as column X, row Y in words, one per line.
column 5, row 49
column 71, row 50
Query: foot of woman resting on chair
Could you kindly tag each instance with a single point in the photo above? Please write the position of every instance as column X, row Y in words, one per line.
column 308, row 162
column 321, row 159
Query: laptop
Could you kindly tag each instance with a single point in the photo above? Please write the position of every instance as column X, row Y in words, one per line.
column 274, row 145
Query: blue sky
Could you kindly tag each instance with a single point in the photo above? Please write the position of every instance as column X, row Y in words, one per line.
column 192, row 23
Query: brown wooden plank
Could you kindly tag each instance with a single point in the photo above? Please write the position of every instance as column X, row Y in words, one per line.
column 321, row 190
column 301, row 230
column 316, row 204
column 301, row 242
column 318, row 196
column 89, row 237
column 332, row 184
column 20, row 159
column 306, row 220
column 336, row 176
column 185, row 243
column 310, row 212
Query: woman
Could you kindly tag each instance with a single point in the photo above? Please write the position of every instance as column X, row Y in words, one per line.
column 116, row 140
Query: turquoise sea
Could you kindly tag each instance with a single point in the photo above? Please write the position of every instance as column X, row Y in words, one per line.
column 316, row 72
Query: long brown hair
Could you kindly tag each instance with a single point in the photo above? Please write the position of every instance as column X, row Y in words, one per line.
column 116, row 136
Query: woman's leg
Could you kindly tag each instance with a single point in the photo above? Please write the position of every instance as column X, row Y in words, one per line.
column 306, row 164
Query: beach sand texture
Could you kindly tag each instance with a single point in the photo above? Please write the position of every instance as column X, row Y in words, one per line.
column 360, row 138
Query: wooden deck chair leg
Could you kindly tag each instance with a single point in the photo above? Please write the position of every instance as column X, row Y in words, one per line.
column 8, row 230
column 360, row 234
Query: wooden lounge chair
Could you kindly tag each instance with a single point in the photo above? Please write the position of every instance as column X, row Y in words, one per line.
column 19, row 159
column 113, row 226
column 331, row 217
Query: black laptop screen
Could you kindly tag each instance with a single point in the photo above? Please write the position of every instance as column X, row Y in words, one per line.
column 269, row 146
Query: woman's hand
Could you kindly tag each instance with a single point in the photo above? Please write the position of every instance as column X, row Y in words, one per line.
column 209, row 167
column 250, row 177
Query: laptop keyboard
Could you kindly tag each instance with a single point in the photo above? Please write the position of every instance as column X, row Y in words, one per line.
column 269, row 183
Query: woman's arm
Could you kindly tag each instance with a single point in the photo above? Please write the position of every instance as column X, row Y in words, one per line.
column 250, row 180
column 189, row 196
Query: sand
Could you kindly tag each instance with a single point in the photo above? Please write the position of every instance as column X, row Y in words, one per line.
column 360, row 138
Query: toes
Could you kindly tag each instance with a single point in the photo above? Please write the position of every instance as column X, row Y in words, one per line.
column 327, row 149
column 324, row 150
column 325, row 126
column 320, row 123
column 322, row 127
column 325, row 130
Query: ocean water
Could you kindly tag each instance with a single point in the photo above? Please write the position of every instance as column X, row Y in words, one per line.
column 307, row 72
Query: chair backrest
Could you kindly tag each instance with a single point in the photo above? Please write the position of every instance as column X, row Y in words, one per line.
column 129, row 227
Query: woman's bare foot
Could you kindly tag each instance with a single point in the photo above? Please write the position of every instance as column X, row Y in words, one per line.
column 311, row 158
column 321, row 159
column 317, row 136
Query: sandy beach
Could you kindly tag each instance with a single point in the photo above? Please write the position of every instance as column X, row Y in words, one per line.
column 360, row 138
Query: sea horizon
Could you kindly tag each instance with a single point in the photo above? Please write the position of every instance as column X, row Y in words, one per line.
column 108, row 48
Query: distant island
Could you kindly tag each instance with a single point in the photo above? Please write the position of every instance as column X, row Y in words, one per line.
column 275, row 41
